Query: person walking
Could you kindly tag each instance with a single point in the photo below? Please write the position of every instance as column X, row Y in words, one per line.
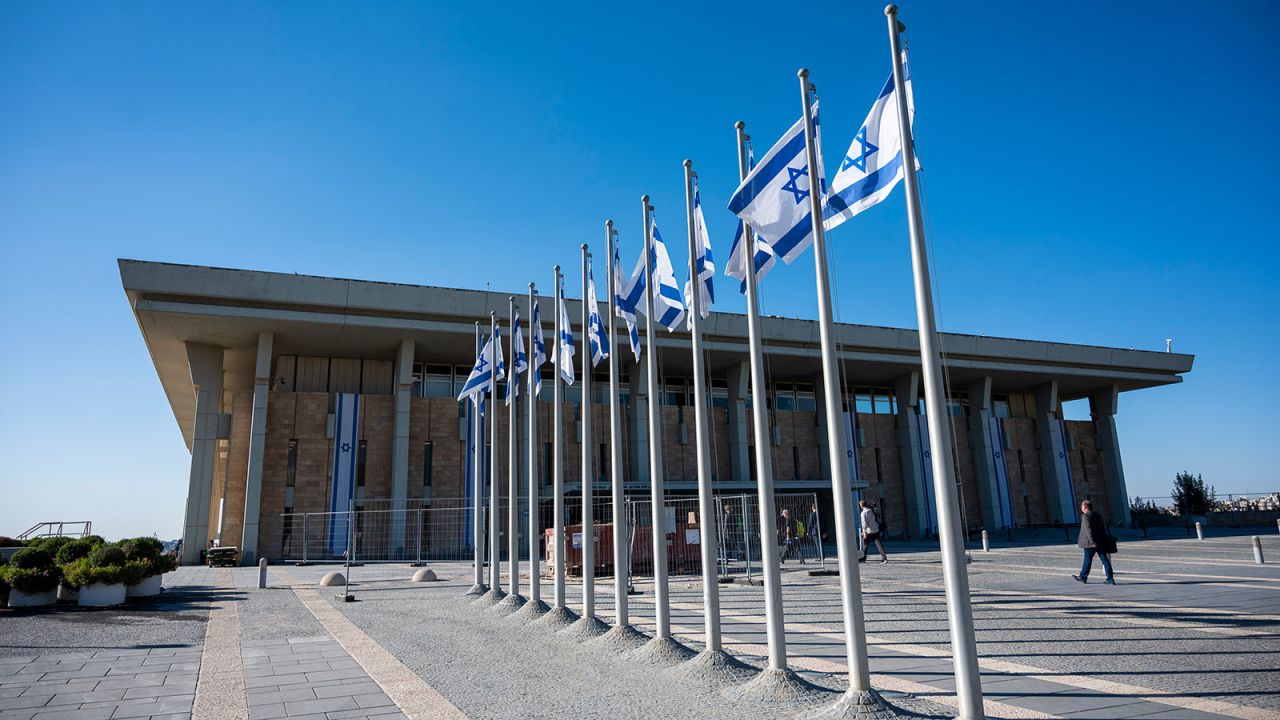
column 871, row 532
column 1094, row 540
column 789, row 537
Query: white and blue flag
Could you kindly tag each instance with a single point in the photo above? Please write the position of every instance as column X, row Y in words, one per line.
column 596, row 334
column 539, row 349
column 481, row 378
column 522, row 360
column 774, row 197
column 668, row 305
column 346, row 444
column 565, row 351
column 736, row 267
column 625, row 297
column 703, row 263
column 873, row 165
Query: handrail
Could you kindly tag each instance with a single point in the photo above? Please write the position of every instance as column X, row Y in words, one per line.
column 61, row 529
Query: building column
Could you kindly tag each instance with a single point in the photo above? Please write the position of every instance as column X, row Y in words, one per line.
column 1103, row 405
column 1053, row 456
column 205, row 362
column 400, row 445
column 739, row 464
column 907, row 390
column 981, row 445
column 638, row 424
column 257, row 444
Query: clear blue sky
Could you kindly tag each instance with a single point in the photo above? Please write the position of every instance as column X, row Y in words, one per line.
column 1097, row 173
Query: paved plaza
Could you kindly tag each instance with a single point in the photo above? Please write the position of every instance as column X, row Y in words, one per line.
column 1192, row 630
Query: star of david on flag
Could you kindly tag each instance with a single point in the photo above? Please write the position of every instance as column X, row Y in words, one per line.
column 539, row 348
column 522, row 359
column 774, row 197
column 564, row 354
column 625, row 297
column 599, row 340
column 873, row 165
column 481, row 377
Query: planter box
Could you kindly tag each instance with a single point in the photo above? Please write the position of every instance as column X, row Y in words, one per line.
column 100, row 595
column 18, row 599
column 67, row 593
column 149, row 587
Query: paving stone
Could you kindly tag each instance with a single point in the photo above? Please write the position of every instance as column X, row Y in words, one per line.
column 324, row 705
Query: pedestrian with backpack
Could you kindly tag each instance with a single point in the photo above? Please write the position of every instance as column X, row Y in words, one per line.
column 1094, row 540
column 790, row 532
column 871, row 532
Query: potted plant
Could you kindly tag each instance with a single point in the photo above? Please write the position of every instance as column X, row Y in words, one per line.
column 32, row 577
column 147, row 563
column 67, row 554
column 99, row 577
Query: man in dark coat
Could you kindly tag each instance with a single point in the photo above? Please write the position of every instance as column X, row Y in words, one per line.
column 1093, row 534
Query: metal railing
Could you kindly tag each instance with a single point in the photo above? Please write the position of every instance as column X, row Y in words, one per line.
column 76, row 528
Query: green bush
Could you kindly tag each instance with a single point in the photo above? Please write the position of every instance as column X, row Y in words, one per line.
column 94, row 540
column 32, row 559
column 32, row 580
column 74, row 550
column 142, row 548
column 6, row 541
column 50, row 544
column 135, row 571
column 108, row 556
column 83, row 572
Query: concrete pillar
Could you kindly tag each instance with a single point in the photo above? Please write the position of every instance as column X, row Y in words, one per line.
column 739, row 464
column 638, row 424
column 1053, row 466
column 400, row 445
column 205, row 362
column 981, row 445
column 907, row 389
column 1102, row 405
column 257, row 444
column 822, row 432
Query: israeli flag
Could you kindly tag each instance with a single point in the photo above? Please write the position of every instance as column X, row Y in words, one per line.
column 565, row 352
column 668, row 305
column 595, row 328
column 346, row 444
column 774, row 197
column 873, row 165
column 764, row 257
column 625, row 297
column 703, row 262
column 481, row 377
column 522, row 360
column 539, row 349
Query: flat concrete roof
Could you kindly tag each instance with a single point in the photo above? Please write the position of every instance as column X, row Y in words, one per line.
column 337, row 317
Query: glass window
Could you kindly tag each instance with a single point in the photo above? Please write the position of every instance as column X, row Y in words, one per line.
column 426, row 471
column 805, row 401
column 720, row 394
column 419, row 375
column 784, row 396
column 1000, row 406
column 862, row 401
column 361, row 454
column 291, row 472
column 885, row 402
column 673, row 392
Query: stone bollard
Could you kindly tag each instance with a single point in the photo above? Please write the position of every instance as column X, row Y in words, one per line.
column 1257, row 550
column 332, row 579
column 1199, row 531
column 262, row 573
column 986, row 542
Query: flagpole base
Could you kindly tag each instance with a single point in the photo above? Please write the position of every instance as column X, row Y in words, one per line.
column 555, row 619
column 857, row 705
column 777, row 686
column 477, row 590
column 585, row 628
column 620, row 639
column 661, row 651
column 715, row 666
column 492, row 597
column 531, row 610
column 508, row 605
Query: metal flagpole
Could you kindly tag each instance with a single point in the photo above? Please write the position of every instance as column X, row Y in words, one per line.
column 657, row 507
column 764, row 454
column 855, row 637
column 620, row 572
column 495, row 551
column 513, row 462
column 477, row 488
column 557, row 431
column 950, row 531
column 706, row 503
column 535, row 530
column 586, row 468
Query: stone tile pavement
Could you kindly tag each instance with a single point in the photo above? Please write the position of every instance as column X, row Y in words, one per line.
column 145, row 683
column 311, row 677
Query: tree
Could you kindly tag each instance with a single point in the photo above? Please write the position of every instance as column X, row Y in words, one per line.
column 1191, row 496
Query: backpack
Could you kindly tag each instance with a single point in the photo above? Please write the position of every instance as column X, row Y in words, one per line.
column 799, row 529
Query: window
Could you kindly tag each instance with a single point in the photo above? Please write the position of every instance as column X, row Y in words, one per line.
column 361, row 455
column 720, row 394
column 784, row 396
column 1000, row 406
column 291, row 472
column 958, row 405
column 805, row 401
column 438, row 381
column 885, row 402
column 460, row 375
column 862, row 401
column 673, row 391
column 426, row 472
column 419, row 375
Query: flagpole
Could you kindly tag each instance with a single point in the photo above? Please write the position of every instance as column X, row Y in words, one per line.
column 557, row 432
column 513, row 462
column 584, row 409
column 950, row 531
column 775, row 631
column 620, row 573
column 841, row 489
column 495, row 552
column 657, row 506
column 536, row 605
column 706, row 503
column 477, row 488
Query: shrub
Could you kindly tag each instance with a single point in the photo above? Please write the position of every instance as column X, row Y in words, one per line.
column 33, row 580
column 6, row 541
column 108, row 556
column 74, row 550
column 142, row 548
column 32, row 559
column 51, row 544
column 83, row 572
column 135, row 571
column 94, row 540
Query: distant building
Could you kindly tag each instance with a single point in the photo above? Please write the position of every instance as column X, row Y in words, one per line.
column 252, row 362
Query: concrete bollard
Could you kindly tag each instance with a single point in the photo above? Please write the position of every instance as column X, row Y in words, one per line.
column 986, row 542
column 1277, row 524
column 1199, row 531
column 262, row 573
column 1257, row 550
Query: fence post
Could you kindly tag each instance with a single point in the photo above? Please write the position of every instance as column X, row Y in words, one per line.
column 986, row 543
column 419, row 534
column 1199, row 531
column 1257, row 550
column 746, row 532
column 817, row 533
column 305, row 537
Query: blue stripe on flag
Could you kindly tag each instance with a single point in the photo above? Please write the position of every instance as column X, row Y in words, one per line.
column 765, row 174
column 866, row 187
